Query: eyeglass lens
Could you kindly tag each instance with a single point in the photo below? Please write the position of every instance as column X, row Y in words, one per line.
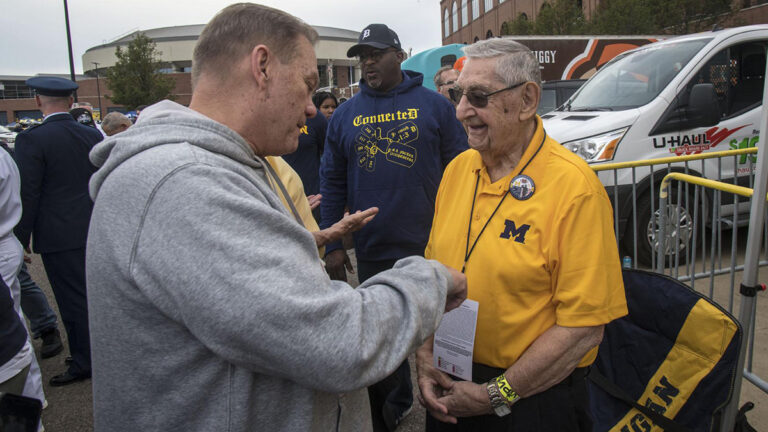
column 474, row 97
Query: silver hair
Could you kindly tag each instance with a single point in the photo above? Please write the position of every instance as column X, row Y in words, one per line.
column 439, row 74
column 515, row 61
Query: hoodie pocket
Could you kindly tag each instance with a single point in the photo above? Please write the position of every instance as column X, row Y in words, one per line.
column 403, row 223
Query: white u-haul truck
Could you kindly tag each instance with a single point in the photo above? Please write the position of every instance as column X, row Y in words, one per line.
column 687, row 95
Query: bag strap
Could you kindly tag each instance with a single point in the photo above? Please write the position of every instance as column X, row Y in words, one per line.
column 615, row 391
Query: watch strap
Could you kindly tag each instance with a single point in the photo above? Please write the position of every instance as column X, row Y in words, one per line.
column 498, row 402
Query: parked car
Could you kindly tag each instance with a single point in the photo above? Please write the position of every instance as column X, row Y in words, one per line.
column 7, row 136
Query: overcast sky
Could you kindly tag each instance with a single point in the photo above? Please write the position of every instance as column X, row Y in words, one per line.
column 33, row 36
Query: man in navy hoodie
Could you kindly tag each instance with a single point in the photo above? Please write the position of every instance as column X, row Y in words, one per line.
column 386, row 147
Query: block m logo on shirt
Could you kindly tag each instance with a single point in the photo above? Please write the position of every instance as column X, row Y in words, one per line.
column 511, row 230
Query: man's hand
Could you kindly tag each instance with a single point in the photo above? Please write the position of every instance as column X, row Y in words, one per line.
column 467, row 399
column 348, row 224
column 314, row 201
column 335, row 261
column 27, row 259
column 433, row 384
column 457, row 291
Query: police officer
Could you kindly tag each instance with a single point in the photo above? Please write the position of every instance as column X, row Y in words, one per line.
column 54, row 166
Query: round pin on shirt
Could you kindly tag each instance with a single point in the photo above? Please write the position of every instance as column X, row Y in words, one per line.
column 522, row 187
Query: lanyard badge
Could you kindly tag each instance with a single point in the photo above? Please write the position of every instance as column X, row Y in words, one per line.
column 522, row 187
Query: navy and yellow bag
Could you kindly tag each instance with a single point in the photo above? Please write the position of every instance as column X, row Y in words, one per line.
column 674, row 356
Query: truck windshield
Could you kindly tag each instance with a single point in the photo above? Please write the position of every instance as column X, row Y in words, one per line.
column 634, row 79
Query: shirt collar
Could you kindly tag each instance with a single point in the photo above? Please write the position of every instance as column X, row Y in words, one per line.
column 502, row 184
column 53, row 114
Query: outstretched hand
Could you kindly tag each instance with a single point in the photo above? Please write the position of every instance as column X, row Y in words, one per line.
column 348, row 224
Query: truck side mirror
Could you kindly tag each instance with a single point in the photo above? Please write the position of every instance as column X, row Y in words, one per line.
column 703, row 106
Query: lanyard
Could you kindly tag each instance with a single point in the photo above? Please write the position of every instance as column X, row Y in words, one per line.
column 467, row 250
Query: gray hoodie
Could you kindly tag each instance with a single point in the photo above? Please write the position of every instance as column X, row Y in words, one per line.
column 209, row 308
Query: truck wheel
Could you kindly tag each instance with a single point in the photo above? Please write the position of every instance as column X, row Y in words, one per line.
column 679, row 228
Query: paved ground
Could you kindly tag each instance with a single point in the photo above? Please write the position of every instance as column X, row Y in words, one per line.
column 70, row 408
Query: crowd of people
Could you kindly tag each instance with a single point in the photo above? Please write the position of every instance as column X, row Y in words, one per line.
column 198, row 261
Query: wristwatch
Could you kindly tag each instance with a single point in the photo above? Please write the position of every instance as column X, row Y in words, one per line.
column 498, row 403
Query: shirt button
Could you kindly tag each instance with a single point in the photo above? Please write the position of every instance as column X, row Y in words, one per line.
column 477, row 216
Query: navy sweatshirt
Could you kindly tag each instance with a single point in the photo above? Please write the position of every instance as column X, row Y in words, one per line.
column 388, row 150
column 306, row 159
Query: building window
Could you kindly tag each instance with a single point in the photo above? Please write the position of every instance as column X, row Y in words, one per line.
column 446, row 60
column 475, row 9
column 455, row 17
column 446, row 23
column 501, row 1
column 488, row 5
column 464, row 16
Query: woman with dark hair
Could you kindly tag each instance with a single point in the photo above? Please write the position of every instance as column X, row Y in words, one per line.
column 325, row 102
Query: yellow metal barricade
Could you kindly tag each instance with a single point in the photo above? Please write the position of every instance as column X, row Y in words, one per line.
column 635, row 199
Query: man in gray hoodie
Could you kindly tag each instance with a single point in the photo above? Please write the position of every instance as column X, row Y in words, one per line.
column 210, row 309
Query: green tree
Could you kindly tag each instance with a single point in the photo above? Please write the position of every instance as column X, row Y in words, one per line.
column 520, row 26
column 135, row 80
column 560, row 17
column 690, row 16
column 624, row 17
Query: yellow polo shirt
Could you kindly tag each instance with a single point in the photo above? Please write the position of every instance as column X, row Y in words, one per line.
column 295, row 189
column 548, row 259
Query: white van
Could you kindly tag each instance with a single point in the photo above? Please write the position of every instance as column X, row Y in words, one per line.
column 687, row 95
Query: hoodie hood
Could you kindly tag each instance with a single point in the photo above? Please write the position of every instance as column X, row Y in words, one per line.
column 411, row 79
column 163, row 123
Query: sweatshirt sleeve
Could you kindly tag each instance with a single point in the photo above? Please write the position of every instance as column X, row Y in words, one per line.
column 246, row 281
column 31, row 162
column 333, row 181
column 454, row 138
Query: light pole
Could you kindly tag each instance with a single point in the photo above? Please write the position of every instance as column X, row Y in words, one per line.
column 69, row 46
column 98, row 90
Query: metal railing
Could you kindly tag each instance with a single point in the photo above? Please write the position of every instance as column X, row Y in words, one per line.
column 628, row 217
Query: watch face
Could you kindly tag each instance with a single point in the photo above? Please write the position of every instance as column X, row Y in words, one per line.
column 501, row 410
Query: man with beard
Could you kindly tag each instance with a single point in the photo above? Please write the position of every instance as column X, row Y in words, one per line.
column 387, row 148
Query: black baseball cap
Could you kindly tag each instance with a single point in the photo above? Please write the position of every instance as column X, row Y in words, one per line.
column 375, row 35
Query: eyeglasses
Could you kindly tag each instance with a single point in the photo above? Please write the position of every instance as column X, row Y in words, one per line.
column 477, row 98
column 447, row 83
column 374, row 55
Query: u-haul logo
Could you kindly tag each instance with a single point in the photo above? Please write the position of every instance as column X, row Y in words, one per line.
column 695, row 143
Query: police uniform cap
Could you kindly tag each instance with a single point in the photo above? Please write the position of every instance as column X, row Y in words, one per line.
column 52, row 86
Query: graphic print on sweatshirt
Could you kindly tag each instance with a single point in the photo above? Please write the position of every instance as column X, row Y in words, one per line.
column 392, row 143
